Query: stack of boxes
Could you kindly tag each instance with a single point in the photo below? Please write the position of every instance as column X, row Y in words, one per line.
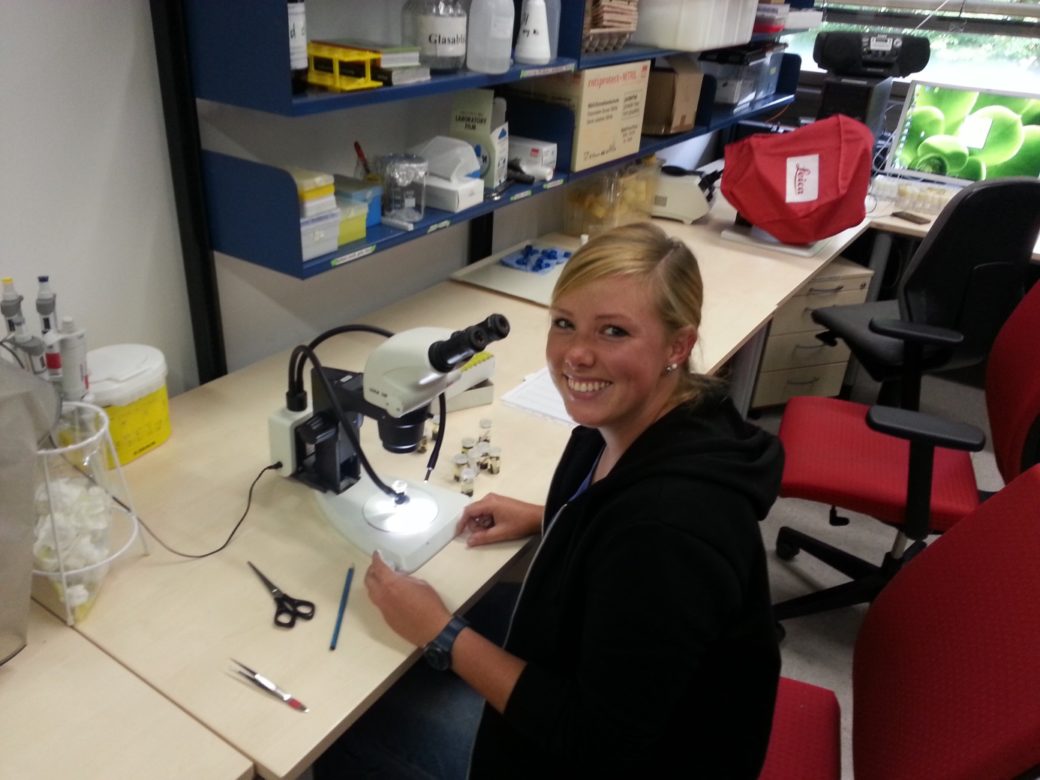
column 331, row 212
column 319, row 215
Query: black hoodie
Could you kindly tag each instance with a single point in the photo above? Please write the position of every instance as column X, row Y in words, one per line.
column 645, row 618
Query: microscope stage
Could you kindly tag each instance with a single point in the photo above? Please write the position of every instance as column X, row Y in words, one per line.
column 406, row 535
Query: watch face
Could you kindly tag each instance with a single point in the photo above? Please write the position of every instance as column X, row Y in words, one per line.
column 437, row 657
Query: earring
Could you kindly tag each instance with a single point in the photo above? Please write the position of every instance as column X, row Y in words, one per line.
column 670, row 368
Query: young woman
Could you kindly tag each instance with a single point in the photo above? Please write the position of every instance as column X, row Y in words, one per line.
column 642, row 639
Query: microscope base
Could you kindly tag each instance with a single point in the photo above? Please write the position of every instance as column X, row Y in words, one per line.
column 406, row 535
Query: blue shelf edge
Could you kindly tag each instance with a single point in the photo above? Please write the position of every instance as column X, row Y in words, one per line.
column 253, row 206
column 320, row 102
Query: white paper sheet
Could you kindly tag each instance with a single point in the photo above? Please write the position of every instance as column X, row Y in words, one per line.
column 537, row 394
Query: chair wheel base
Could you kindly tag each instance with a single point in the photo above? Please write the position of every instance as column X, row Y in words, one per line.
column 786, row 551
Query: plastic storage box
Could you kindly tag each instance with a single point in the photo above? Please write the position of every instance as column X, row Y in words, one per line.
column 351, row 220
column 367, row 192
column 695, row 25
column 319, row 234
column 743, row 73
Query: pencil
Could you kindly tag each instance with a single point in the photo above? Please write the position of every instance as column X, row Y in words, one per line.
column 342, row 607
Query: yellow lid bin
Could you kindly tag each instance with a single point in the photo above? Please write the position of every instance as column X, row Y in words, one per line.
column 129, row 381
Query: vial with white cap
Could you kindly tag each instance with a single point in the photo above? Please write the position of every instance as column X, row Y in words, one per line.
column 466, row 481
column 485, row 429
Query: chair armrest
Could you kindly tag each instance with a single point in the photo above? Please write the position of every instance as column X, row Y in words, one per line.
column 918, row 333
column 925, row 428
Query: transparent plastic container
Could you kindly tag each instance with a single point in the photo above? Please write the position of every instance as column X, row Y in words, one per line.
column 489, row 40
column 611, row 199
column 84, row 516
column 695, row 25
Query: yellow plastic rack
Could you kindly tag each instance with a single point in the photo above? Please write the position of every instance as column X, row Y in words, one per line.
column 340, row 68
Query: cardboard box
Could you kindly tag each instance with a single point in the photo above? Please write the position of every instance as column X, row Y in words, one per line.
column 608, row 108
column 453, row 196
column 479, row 118
column 533, row 151
column 672, row 96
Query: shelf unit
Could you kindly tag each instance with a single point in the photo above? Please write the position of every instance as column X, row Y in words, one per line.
column 234, row 52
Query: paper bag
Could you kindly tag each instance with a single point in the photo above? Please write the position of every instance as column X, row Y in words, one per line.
column 28, row 408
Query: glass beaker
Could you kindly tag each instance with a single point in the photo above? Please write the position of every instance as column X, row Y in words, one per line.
column 78, row 529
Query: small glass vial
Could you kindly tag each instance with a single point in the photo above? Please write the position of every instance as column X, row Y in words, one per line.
column 466, row 479
column 483, row 454
column 458, row 463
column 438, row 28
column 468, row 443
column 494, row 460
column 485, row 429
column 435, row 427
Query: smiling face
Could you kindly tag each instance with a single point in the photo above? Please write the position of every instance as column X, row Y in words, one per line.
column 607, row 351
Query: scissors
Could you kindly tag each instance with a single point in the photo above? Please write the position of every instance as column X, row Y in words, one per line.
column 287, row 609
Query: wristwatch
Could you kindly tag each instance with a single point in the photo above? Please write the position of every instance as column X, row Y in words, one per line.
column 438, row 652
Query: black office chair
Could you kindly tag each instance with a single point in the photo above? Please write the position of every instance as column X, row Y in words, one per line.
column 958, row 289
column 909, row 470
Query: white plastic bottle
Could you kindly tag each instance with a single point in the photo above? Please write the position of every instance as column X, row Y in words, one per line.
column 532, row 41
column 490, row 37
column 75, row 381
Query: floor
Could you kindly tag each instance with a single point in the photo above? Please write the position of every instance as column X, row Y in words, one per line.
column 818, row 648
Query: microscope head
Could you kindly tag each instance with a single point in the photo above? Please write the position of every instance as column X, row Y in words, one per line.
column 410, row 369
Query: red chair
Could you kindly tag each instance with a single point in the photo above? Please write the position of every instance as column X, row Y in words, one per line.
column 945, row 677
column 906, row 469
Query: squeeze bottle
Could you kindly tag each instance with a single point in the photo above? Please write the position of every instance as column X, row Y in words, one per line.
column 532, row 42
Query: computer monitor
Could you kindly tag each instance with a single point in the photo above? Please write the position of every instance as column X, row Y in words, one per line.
column 957, row 134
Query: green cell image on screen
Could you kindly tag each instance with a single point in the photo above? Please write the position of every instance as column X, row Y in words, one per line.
column 956, row 133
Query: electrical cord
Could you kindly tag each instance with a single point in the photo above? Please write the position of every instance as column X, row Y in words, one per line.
column 14, row 354
column 249, row 502
column 347, row 426
column 296, row 399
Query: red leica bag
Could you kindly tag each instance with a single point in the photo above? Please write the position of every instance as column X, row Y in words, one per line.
column 804, row 185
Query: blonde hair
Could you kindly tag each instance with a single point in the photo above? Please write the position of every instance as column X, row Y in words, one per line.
column 667, row 265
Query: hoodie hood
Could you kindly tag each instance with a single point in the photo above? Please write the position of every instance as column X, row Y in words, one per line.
column 715, row 445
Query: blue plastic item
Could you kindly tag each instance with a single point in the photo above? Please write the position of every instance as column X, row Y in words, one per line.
column 537, row 260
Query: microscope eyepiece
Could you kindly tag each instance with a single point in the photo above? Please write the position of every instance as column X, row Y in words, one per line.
column 461, row 345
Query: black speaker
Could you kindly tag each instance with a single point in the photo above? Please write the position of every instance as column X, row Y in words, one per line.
column 871, row 54
column 862, row 99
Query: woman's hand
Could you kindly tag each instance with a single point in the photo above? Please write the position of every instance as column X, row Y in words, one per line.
column 409, row 605
column 496, row 518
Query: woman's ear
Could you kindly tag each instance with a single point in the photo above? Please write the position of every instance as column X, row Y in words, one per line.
column 682, row 345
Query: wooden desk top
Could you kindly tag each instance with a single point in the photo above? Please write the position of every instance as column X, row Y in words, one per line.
column 177, row 623
column 886, row 222
column 743, row 285
column 71, row 711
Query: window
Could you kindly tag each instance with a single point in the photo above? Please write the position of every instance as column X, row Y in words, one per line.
column 973, row 43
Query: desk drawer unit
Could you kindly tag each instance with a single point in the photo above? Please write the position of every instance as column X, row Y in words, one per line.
column 795, row 362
